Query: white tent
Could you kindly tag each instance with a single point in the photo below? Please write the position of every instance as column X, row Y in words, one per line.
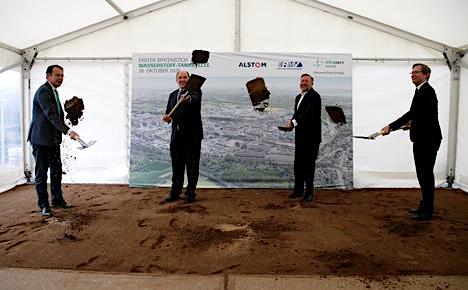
column 94, row 41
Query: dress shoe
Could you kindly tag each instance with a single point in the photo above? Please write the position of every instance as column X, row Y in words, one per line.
column 171, row 198
column 415, row 211
column 422, row 216
column 190, row 198
column 308, row 197
column 296, row 194
column 46, row 212
column 61, row 204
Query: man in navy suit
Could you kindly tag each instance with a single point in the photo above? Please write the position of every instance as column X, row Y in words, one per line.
column 425, row 134
column 308, row 126
column 45, row 135
column 186, row 137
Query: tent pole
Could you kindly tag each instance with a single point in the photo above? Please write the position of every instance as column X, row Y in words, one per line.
column 28, row 61
column 453, row 59
column 11, row 48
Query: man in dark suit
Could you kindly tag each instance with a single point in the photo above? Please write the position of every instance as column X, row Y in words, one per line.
column 425, row 134
column 308, row 126
column 186, row 137
column 45, row 135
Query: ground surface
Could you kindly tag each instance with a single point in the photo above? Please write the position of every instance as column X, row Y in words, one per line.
column 238, row 231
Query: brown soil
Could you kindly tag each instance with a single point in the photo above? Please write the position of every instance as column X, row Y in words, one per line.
column 248, row 231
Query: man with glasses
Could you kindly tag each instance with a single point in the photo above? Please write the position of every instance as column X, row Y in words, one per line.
column 425, row 134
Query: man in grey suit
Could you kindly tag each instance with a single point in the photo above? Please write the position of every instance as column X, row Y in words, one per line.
column 45, row 136
column 307, row 123
column 186, row 137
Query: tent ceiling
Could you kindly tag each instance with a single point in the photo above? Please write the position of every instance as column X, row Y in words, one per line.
column 442, row 21
column 24, row 23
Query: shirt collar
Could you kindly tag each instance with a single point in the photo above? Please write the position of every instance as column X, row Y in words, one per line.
column 418, row 87
column 53, row 88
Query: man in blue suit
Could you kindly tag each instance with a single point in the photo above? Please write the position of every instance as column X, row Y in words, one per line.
column 45, row 136
column 425, row 133
column 307, row 123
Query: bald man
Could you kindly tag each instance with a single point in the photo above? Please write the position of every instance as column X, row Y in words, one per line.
column 186, row 137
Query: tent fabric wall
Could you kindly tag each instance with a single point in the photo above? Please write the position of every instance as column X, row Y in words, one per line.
column 105, row 92
column 11, row 145
column 382, row 92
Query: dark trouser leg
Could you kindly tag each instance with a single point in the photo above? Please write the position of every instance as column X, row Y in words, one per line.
column 299, row 164
column 55, row 164
column 178, row 164
column 310, row 158
column 41, row 157
column 192, row 156
column 424, row 159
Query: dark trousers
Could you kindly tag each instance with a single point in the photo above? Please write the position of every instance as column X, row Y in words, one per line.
column 184, row 154
column 425, row 154
column 48, row 157
column 305, row 156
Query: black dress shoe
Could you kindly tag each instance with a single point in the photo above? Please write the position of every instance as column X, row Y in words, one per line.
column 171, row 198
column 415, row 211
column 296, row 194
column 46, row 212
column 422, row 216
column 308, row 197
column 61, row 204
column 190, row 198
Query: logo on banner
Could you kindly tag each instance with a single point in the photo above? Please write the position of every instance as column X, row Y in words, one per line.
column 252, row 64
column 290, row 65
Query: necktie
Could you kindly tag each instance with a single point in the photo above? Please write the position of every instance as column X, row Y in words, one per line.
column 57, row 100
column 179, row 95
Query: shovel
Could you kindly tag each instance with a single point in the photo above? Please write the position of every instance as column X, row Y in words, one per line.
column 85, row 145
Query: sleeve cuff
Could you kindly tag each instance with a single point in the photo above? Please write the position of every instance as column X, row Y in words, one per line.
column 294, row 122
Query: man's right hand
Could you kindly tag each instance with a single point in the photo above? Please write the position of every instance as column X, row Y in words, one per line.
column 385, row 130
column 167, row 118
column 73, row 135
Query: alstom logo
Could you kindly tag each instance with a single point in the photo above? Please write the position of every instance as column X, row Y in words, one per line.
column 290, row 65
column 253, row 64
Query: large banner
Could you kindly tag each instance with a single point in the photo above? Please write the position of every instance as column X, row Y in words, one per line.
column 242, row 147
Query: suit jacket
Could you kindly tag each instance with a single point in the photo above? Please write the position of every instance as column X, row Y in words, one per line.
column 186, row 120
column 47, row 125
column 308, row 117
column 423, row 115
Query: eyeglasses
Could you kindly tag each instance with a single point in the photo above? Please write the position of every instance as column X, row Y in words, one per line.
column 415, row 72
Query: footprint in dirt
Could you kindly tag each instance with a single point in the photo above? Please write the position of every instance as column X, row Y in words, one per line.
column 192, row 208
column 90, row 260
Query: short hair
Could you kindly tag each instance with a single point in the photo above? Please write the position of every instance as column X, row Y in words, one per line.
column 50, row 68
column 424, row 69
column 307, row 75
column 177, row 74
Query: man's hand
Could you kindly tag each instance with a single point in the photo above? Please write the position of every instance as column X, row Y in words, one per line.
column 289, row 124
column 73, row 135
column 167, row 118
column 385, row 130
column 185, row 99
